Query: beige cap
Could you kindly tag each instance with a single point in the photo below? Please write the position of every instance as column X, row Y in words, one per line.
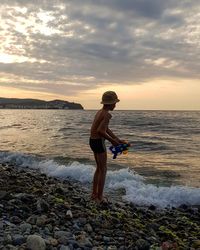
column 109, row 97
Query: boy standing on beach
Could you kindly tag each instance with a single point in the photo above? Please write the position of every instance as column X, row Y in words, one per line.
column 100, row 132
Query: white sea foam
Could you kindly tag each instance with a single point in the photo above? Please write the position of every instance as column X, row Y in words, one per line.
column 137, row 191
column 147, row 194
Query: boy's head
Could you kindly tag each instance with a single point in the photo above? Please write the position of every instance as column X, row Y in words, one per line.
column 109, row 99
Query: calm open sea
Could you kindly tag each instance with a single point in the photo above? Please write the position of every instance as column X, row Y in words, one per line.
column 161, row 168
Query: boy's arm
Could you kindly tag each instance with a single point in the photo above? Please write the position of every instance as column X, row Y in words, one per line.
column 102, row 130
column 110, row 133
column 114, row 136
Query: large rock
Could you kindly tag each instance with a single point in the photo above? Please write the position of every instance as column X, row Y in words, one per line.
column 63, row 237
column 64, row 247
column 142, row 244
column 42, row 205
column 35, row 242
column 41, row 220
column 32, row 220
column 60, row 234
column 10, row 247
column 196, row 244
column 25, row 227
column 3, row 194
column 18, row 239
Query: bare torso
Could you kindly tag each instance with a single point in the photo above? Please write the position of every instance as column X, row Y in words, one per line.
column 102, row 116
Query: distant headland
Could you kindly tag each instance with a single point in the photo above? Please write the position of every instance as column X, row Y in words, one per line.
column 14, row 103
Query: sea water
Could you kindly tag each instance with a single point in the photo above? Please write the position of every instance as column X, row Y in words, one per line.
column 161, row 168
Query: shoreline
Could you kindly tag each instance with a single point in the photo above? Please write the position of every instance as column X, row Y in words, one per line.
column 37, row 210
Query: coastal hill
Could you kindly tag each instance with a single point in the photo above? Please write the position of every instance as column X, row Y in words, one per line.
column 14, row 103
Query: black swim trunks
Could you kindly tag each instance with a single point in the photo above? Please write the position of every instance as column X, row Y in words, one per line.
column 98, row 145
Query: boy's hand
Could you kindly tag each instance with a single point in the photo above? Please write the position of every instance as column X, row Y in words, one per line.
column 123, row 142
column 115, row 143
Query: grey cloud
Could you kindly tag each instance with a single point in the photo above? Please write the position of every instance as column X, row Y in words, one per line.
column 173, row 20
column 60, row 89
column 115, row 52
column 145, row 8
column 106, row 52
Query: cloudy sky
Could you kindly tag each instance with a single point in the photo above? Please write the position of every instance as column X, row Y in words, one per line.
column 148, row 51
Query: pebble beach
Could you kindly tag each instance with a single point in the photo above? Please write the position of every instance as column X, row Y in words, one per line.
column 39, row 212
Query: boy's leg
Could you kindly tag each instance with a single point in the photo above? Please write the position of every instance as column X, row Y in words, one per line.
column 102, row 167
column 95, row 179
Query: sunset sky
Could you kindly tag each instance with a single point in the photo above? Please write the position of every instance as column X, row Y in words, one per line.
column 148, row 51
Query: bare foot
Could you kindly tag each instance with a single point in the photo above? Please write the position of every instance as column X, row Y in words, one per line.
column 94, row 197
column 104, row 200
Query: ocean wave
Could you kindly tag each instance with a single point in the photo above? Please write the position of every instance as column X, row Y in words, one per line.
column 6, row 127
column 136, row 190
column 147, row 194
column 66, row 129
column 11, row 126
column 148, row 146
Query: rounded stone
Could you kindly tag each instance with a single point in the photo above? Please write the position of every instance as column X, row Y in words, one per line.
column 18, row 240
column 64, row 247
column 35, row 242
column 25, row 227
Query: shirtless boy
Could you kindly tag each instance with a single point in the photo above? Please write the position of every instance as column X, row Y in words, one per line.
column 100, row 132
